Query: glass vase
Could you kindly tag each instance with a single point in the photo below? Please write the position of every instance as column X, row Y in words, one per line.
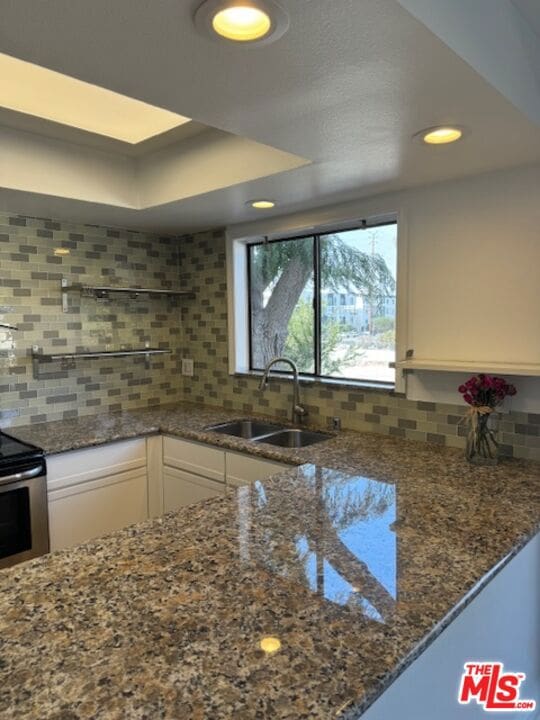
column 482, row 443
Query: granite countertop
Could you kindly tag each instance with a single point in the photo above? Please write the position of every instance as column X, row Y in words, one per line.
column 386, row 457
column 354, row 562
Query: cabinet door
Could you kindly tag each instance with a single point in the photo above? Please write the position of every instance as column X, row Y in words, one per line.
column 243, row 469
column 97, row 507
column 96, row 491
column 182, row 488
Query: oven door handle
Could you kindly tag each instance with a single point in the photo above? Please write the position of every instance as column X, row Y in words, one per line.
column 24, row 475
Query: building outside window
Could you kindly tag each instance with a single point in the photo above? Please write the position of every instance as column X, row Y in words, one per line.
column 326, row 301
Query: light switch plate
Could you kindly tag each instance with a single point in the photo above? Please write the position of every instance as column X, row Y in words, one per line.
column 187, row 367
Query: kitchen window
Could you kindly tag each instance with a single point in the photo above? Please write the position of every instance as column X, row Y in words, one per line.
column 326, row 301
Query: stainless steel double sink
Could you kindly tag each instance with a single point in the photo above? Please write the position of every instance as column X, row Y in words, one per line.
column 270, row 433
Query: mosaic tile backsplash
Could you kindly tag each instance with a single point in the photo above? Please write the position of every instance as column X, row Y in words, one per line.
column 204, row 333
column 30, row 280
column 30, row 298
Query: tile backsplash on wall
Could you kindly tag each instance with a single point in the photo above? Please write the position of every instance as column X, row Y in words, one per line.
column 30, row 282
column 204, row 333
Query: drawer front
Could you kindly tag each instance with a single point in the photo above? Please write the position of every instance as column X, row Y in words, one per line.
column 181, row 488
column 79, row 466
column 243, row 470
column 194, row 458
column 100, row 507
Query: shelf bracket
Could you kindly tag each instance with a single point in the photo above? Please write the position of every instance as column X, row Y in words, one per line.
column 147, row 357
column 35, row 362
column 65, row 306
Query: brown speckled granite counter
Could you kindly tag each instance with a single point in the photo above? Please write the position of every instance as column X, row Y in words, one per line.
column 355, row 569
column 386, row 457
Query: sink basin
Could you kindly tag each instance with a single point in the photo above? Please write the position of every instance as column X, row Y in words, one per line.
column 292, row 438
column 246, row 429
column 269, row 433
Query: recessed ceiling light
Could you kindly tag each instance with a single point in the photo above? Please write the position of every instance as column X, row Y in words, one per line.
column 61, row 251
column 44, row 93
column 242, row 24
column 261, row 204
column 441, row 135
column 247, row 22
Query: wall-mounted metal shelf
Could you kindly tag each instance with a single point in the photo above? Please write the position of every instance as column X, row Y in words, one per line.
column 68, row 360
column 105, row 291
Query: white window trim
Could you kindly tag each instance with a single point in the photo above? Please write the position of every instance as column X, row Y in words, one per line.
column 237, row 304
column 403, row 315
column 237, row 293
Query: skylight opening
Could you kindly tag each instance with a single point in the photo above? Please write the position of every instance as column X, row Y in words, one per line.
column 47, row 94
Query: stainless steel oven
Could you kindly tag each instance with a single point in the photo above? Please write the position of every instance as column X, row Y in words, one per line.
column 24, row 527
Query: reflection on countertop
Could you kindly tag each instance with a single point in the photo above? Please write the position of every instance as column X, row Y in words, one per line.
column 341, row 547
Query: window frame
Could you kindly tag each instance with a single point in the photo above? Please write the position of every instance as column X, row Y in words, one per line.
column 316, row 235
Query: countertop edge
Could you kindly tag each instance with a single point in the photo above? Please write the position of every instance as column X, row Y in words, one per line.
column 355, row 711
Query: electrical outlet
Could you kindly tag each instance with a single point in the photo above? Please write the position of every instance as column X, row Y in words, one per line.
column 187, row 367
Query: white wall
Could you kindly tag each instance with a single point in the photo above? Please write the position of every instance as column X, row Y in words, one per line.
column 209, row 161
column 473, row 266
column 48, row 166
column 442, row 387
column 494, row 39
column 193, row 166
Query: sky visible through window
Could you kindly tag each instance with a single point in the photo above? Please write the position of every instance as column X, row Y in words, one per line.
column 360, row 322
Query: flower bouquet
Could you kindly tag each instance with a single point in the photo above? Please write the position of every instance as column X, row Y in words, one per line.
column 484, row 393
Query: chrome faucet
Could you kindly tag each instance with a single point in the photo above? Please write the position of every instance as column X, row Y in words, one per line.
column 298, row 411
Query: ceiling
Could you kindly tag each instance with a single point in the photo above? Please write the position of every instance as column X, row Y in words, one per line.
column 345, row 89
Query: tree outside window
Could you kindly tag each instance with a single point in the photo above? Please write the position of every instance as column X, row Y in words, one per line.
column 328, row 302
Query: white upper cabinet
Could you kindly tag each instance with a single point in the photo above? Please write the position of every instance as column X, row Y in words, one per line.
column 473, row 289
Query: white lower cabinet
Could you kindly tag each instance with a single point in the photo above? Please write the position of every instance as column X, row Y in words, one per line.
column 243, row 469
column 95, row 491
column 194, row 471
column 182, row 488
column 98, row 490
column 191, row 472
column 193, row 457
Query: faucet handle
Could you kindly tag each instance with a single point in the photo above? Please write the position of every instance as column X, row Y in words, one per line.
column 300, row 411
